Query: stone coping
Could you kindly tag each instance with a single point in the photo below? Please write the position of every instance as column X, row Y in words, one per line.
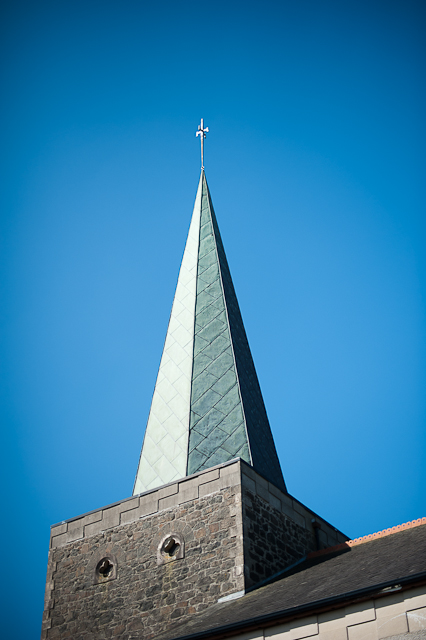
column 146, row 493
column 198, row 485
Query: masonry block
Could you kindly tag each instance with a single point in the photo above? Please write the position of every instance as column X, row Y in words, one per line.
column 295, row 516
column 93, row 517
column 261, row 482
column 210, row 475
column 93, row 528
column 167, row 491
column 248, row 472
column 415, row 599
column 363, row 631
column 229, row 468
column 249, row 484
column 390, row 606
column 75, row 533
column 127, row 505
column 189, row 485
column 147, row 506
column 262, row 491
column 238, row 570
column 275, row 491
column 289, row 511
column 322, row 536
column 169, row 502
column 416, row 619
column 229, row 480
column 58, row 529
column 358, row 613
column 392, row 625
column 274, row 502
column 129, row 516
column 287, row 500
column 236, row 530
column 110, row 518
column 299, row 508
column 331, row 626
column 58, row 541
column 187, row 493
column 335, row 634
column 332, row 539
column 209, row 487
column 294, row 630
column 330, row 620
column 75, row 525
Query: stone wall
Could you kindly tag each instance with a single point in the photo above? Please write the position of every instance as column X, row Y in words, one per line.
column 133, row 569
column 397, row 616
column 146, row 589
column 277, row 529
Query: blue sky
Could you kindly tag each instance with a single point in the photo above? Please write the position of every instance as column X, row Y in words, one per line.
column 315, row 161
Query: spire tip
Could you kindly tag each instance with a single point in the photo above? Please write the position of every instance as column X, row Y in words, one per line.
column 202, row 132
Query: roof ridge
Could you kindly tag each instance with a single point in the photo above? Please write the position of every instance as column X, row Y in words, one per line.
column 371, row 536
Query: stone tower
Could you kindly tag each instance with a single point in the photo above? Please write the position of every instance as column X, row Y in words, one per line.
column 210, row 516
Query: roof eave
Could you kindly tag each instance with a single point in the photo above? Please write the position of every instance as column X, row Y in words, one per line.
column 318, row 606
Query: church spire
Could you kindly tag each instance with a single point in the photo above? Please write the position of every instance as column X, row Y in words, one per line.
column 207, row 406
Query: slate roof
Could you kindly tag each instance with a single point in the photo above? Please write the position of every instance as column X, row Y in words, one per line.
column 207, row 406
column 318, row 582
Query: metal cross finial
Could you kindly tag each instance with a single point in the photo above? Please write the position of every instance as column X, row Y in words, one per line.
column 202, row 133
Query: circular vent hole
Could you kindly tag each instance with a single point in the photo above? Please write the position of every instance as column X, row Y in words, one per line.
column 171, row 546
column 105, row 567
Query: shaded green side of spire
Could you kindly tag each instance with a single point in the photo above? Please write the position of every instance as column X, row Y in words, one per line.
column 228, row 416
column 262, row 446
column 217, row 430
